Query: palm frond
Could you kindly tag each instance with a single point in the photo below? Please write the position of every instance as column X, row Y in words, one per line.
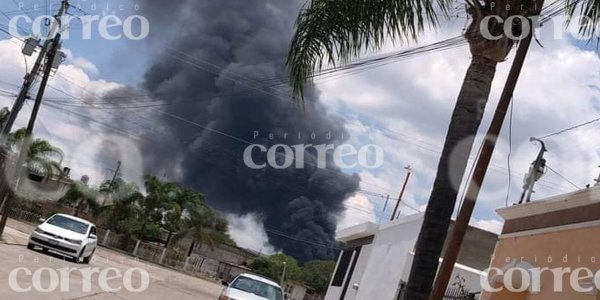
column 341, row 29
column 587, row 13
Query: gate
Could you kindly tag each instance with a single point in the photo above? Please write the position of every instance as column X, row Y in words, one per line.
column 451, row 294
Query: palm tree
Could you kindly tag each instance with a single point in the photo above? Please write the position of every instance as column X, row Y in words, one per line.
column 338, row 30
column 4, row 114
column 81, row 197
column 42, row 158
column 159, row 195
column 203, row 226
column 174, row 217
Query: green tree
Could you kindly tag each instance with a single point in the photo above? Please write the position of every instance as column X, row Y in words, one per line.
column 272, row 267
column 317, row 274
column 337, row 31
column 43, row 159
column 174, row 218
column 4, row 114
column 159, row 196
column 81, row 197
column 201, row 225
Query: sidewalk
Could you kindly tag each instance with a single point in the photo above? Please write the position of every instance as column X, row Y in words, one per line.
column 12, row 236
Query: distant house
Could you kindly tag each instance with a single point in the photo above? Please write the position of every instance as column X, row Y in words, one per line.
column 376, row 259
column 559, row 233
column 42, row 189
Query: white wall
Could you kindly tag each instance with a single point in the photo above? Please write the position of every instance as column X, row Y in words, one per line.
column 386, row 262
column 359, row 271
column 334, row 292
column 389, row 258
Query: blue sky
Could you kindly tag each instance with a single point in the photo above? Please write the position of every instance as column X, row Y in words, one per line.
column 118, row 60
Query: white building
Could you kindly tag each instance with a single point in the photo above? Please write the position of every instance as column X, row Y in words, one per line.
column 376, row 260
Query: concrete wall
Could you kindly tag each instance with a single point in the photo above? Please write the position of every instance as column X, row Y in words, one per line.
column 385, row 263
column 568, row 248
column 477, row 248
column 388, row 260
column 359, row 270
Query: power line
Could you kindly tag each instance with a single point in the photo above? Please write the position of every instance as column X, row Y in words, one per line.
column 510, row 138
column 569, row 129
column 563, row 177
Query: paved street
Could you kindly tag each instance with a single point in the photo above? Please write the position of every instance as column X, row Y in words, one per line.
column 163, row 284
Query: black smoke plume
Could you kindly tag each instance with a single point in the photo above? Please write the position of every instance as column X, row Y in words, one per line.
column 233, row 45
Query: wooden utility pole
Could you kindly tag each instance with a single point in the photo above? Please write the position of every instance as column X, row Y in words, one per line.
column 408, row 171
column 466, row 211
column 112, row 183
column 51, row 46
column 31, row 76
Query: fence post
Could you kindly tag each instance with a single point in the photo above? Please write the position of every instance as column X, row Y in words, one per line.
column 162, row 256
column 185, row 265
column 105, row 239
column 137, row 246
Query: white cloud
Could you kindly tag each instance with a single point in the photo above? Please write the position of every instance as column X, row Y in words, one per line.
column 248, row 232
column 73, row 134
column 359, row 209
column 405, row 107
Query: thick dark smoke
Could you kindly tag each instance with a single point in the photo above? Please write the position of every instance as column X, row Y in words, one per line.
column 248, row 40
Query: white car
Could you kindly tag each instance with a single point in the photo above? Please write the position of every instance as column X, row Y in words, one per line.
column 66, row 235
column 251, row 287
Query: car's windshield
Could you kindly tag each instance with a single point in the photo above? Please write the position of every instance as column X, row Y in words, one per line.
column 258, row 288
column 68, row 223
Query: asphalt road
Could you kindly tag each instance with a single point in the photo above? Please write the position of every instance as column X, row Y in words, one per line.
column 163, row 283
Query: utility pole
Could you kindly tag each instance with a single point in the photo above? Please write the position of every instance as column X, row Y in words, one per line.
column 30, row 78
column 466, row 211
column 408, row 171
column 282, row 281
column 112, row 182
column 51, row 48
column 535, row 172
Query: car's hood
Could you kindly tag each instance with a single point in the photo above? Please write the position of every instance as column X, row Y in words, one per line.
column 241, row 295
column 61, row 232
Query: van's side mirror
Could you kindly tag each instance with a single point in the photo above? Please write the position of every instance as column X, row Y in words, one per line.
column 224, row 283
column 93, row 237
column 42, row 220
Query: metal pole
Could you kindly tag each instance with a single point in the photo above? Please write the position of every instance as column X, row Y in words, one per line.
column 528, row 189
column 283, row 274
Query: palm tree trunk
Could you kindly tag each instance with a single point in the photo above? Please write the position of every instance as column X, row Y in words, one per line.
column 191, row 248
column 78, row 207
column 464, row 124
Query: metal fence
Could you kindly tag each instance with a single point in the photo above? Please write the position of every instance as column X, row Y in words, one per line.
column 451, row 293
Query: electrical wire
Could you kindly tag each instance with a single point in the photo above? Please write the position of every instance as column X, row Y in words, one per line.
column 569, row 129
column 510, row 138
column 563, row 177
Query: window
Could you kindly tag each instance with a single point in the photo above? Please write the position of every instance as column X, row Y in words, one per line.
column 342, row 267
column 68, row 223
column 258, row 288
column 93, row 231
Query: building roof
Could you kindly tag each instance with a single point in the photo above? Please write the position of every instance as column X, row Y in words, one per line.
column 556, row 203
column 562, row 212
